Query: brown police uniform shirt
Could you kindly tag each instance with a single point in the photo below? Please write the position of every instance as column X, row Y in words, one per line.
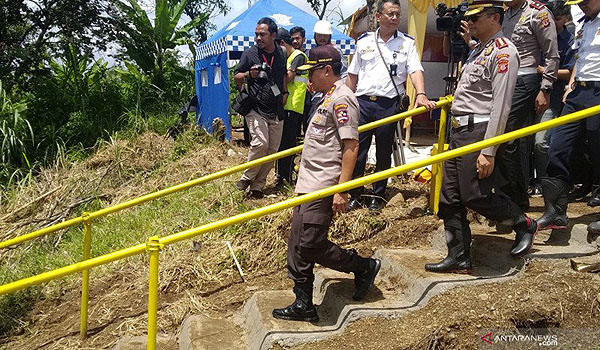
column 486, row 85
column 531, row 28
column 335, row 119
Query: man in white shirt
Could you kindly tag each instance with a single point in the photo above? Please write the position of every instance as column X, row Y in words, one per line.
column 371, row 80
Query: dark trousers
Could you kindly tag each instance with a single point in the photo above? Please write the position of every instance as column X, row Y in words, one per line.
column 461, row 187
column 288, row 140
column 308, row 244
column 565, row 137
column 513, row 159
column 371, row 111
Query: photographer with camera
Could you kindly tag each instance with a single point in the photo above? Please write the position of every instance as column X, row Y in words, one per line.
column 530, row 26
column 382, row 62
column 480, row 109
column 261, row 70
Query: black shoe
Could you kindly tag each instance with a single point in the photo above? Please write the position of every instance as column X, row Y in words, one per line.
column 297, row 311
column 355, row 203
column 364, row 280
column 580, row 191
column 534, row 190
column 376, row 204
column 526, row 229
column 242, row 185
column 595, row 200
column 593, row 231
column 451, row 265
column 256, row 194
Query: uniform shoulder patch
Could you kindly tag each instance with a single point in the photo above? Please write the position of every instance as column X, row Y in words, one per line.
column 503, row 65
column 501, row 43
column 536, row 5
column 341, row 113
column 408, row 36
column 363, row 35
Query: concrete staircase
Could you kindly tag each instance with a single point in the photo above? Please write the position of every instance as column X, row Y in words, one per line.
column 402, row 286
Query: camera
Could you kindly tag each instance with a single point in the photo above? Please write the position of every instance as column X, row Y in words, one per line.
column 264, row 72
column 449, row 18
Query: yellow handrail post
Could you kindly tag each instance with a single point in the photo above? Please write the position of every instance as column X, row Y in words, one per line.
column 153, row 247
column 438, row 168
column 85, row 274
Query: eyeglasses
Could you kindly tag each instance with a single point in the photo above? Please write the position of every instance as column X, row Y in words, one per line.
column 474, row 18
column 316, row 68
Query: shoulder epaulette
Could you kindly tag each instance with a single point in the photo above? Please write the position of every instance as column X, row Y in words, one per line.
column 363, row 35
column 408, row 36
column 537, row 5
column 501, row 43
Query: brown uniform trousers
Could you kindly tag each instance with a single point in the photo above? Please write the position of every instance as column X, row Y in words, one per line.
column 461, row 186
column 308, row 244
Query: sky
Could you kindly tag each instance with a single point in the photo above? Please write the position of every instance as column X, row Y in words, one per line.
column 347, row 7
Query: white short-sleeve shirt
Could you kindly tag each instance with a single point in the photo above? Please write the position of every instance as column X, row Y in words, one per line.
column 587, row 41
column 373, row 76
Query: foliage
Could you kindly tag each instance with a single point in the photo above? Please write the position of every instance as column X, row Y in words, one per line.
column 195, row 8
column 77, row 103
column 319, row 6
column 148, row 44
column 16, row 135
column 33, row 30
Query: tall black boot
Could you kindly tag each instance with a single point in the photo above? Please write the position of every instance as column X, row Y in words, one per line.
column 458, row 240
column 556, row 198
column 526, row 229
column 302, row 309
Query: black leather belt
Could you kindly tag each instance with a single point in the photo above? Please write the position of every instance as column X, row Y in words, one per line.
column 375, row 98
column 587, row 84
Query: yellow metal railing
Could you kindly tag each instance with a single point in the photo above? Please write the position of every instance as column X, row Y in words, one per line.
column 86, row 218
column 155, row 244
column 444, row 101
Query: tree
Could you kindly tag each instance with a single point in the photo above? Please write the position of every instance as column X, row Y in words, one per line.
column 147, row 44
column 33, row 31
column 319, row 6
column 212, row 8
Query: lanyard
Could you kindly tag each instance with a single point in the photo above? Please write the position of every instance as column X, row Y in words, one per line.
column 265, row 59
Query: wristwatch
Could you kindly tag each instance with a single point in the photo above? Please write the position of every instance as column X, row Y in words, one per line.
column 546, row 90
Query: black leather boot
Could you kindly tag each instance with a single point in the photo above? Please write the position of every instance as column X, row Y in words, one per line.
column 555, row 193
column 458, row 240
column 525, row 228
column 302, row 309
column 364, row 280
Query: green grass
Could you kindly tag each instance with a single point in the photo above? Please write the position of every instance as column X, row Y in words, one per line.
column 170, row 214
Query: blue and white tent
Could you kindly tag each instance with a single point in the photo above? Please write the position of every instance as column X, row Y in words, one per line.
column 213, row 56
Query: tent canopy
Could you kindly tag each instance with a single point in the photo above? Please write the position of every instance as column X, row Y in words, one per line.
column 212, row 56
column 238, row 34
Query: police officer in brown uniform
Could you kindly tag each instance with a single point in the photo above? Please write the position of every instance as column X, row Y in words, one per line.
column 480, row 109
column 530, row 26
column 328, row 158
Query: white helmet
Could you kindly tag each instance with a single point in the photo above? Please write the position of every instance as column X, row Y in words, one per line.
column 323, row 27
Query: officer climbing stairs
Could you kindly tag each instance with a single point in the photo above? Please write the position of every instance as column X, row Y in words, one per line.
column 402, row 286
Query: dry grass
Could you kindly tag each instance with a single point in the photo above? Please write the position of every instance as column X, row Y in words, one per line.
column 195, row 277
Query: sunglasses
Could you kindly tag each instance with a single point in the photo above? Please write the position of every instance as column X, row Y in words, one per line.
column 473, row 18
column 315, row 68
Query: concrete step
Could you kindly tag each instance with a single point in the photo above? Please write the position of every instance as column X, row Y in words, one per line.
column 140, row 342
column 200, row 332
column 402, row 286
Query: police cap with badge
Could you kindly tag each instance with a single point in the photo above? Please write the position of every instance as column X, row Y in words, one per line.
column 477, row 6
